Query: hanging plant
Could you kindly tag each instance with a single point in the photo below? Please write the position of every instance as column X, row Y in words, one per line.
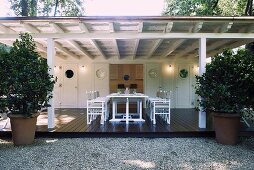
column 183, row 73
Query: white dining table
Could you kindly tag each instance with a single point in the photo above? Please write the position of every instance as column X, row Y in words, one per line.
column 126, row 98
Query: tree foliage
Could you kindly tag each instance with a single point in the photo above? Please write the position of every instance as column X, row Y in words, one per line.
column 208, row 7
column 47, row 7
column 228, row 83
column 25, row 84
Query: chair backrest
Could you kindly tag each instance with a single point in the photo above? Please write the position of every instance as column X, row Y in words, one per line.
column 133, row 86
column 121, row 86
column 163, row 94
column 92, row 94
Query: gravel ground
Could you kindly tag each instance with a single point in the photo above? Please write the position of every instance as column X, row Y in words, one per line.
column 127, row 153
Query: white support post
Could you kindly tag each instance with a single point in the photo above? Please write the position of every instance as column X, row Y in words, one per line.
column 202, row 63
column 51, row 64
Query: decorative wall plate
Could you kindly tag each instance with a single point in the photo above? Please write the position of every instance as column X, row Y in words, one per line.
column 153, row 73
column 100, row 73
column 126, row 77
column 183, row 73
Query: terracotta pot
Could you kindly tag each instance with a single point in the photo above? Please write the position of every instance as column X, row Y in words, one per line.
column 227, row 128
column 23, row 128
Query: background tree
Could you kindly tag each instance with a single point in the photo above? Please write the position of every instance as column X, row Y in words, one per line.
column 48, row 7
column 208, row 7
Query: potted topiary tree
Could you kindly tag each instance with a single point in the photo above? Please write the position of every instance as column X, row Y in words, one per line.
column 25, row 86
column 226, row 88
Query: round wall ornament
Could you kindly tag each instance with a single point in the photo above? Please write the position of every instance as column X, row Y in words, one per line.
column 183, row 73
column 100, row 73
column 153, row 73
column 126, row 77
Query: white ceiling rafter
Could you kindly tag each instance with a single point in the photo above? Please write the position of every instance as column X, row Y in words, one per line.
column 250, row 28
column 5, row 29
column 72, row 42
column 224, row 28
column 111, row 30
column 135, row 37
column 172, row 48
column 216, row 45
column 189, row 49
column 30, row 28
column 84, row 28
column 140, row 30
column 169, row 27
column 197, row 27
column 115, row 35
column 233, row 45
column 64, row 50
column 155, row 46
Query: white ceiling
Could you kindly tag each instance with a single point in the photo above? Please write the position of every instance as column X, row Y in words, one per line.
column 131, row 38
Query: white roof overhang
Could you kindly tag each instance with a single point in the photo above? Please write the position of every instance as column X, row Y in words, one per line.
column 131, row 38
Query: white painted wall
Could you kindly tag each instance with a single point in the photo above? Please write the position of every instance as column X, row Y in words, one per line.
column 101, row 83
column 166, row 78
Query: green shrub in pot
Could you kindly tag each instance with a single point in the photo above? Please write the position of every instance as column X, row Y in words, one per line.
column 227, row 86
column 25, row 84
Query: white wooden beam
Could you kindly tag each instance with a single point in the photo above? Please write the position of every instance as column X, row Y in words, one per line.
column 216, row 44
column 69, row 53
column 116, row 35
column 72, row 42
column 187, row 50
column 202, row 64
column 83, row 27
column 94, row 43
column 232, row 45
column 155, row 46
column 6, row 30
column 57, row 27
column 224, row 28
column 197, row 27
column 77, row 46
column 111, row 30
column 140, row 27
column 172, row 48
column 140, row 30
column 30, row 28
column 51, row 64
column 135, row 49
column 169, row 27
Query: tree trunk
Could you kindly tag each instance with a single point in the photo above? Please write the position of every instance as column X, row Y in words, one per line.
column 24, row 7
column 57, row 2
column 33, row 8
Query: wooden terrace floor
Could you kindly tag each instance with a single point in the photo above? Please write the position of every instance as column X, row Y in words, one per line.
column 74, row 120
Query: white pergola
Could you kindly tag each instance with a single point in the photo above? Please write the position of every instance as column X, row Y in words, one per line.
column 130, row 38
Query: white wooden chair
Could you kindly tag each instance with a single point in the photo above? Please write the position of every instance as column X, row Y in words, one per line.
column 97, row 107
column 160, row 107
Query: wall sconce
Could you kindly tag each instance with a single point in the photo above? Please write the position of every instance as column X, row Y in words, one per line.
column 83, row 68
column 170, row 68
column 57, row 68
column 196, row 69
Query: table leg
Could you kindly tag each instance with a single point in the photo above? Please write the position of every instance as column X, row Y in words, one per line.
column 140, row 109
column 114, row 110
column 127, row 111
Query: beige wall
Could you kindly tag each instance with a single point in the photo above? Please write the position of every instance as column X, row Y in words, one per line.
column 165, row 78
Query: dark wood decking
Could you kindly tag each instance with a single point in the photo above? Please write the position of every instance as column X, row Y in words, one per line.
column 74, row 121
column 181, row 120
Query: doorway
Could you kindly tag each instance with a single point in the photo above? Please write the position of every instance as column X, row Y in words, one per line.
column 66, row 88
column 183, row 82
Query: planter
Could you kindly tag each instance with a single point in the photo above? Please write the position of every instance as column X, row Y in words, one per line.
column 23, row 128
column 227, row 128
